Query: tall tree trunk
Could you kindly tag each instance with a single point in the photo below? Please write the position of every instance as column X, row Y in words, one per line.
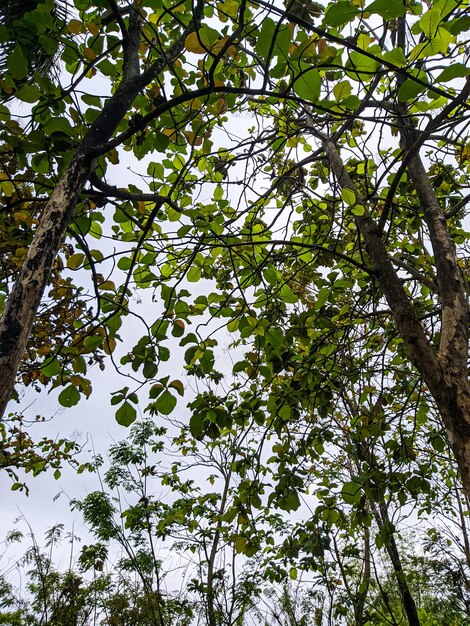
column 444, row 371
column 20, row 310
column 452, row 391
column 22, row 304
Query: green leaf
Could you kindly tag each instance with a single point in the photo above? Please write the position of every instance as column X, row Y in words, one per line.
column 411, row 89
column 124, row 263
column 178, row 385
column 388, row 9
column 196, row 425
column 457, row 26
column 165, row 403
column 93, row 101
column 17, row 63
column 339, row 13
column 207, row 361
column 430, row 22
column 342, row 90
column 69, row 396
column 361, row 67
column 28, row 93
column 126, row 414
column 51, row 367
column 106, row 67
column 150, row 368
column 307, row 85
column 287, row 295
column 4, row 113
column 322, row 297
column 178, row 328
column 348, row 196
column 358, row 210
column 276, row 337
column 273, row 38
column 265, row 38
column 396, row 56
column 161, row 141
column 456, row 70
column 438, row 44
column 438, row 443
column 59, row 125
column 240, row 545
column 351, row 493
column 194, row 274
column 92, row 342
column 75, row 261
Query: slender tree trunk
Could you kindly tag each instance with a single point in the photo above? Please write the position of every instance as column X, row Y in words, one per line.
column 409, row 605
column 380, row 512
column 363, row 590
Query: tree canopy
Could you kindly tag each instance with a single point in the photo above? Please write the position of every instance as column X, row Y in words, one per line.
column 276, row 196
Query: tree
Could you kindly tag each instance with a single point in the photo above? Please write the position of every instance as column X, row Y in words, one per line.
column 330, row 90
column 233, row 550
column 195, row 522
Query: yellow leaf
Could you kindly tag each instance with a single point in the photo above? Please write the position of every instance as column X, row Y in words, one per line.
column 109, row 345
column 221, row 106
column 113, row 156
column 21, row 216
column 93, row 28
column 195, row 104
column 90, row 54
column 218, row 46
column 178, row 385
column 74, row 27
column 74, row 261
column 193, row 139
column 172, row 133
column 228, row 8
column 108, row 285
column 193, row 44
column 7, row 188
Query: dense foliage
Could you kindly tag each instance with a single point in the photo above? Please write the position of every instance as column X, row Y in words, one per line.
column 271, row 198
